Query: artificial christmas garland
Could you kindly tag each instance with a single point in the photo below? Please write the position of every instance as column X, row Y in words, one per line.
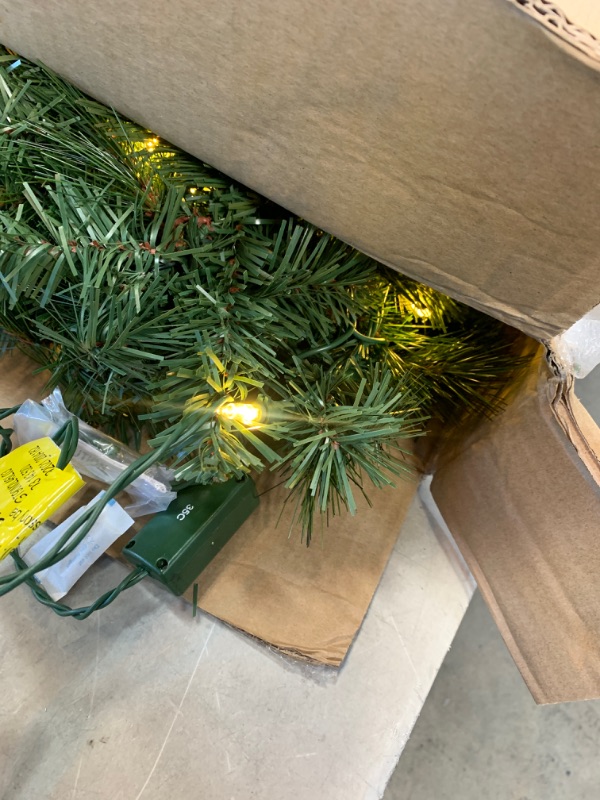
column 162, row 295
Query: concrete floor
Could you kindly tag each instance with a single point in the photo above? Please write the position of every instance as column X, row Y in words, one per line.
column 480, row 735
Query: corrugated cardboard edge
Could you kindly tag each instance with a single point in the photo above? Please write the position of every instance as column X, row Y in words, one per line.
column 523, row 504
column 554, row 20
column 577, row 424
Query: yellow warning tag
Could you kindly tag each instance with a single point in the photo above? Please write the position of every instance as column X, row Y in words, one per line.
column 32, row 488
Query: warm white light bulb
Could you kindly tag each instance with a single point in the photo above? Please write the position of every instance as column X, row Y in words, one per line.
column 246, row 413
column 419, row 311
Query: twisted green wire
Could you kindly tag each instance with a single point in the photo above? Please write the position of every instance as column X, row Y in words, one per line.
column 67, row 437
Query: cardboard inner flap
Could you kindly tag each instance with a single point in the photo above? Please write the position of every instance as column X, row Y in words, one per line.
column 522, row 501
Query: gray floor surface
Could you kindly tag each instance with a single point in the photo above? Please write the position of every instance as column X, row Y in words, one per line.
column 481, row 736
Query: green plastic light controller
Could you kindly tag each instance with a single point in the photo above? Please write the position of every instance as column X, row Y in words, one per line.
column 177, row 544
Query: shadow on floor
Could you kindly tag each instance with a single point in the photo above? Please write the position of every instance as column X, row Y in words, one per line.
column 481, row 736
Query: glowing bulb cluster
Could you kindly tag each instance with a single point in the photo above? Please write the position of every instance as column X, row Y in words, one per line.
column 193, row 190
column 246, row 413
column 152, row 144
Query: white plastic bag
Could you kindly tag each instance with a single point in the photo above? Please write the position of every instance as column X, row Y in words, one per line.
column 58, row 579
column 97, row 456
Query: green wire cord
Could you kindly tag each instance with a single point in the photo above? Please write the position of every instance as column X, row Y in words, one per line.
column 42, row 596
column 67, row 437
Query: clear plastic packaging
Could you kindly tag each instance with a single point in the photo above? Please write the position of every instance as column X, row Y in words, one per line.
column 58, row 579
column 97, row 456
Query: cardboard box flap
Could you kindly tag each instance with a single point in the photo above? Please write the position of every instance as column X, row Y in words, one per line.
column 456, row 143
column 305, row 602
column 525, row 511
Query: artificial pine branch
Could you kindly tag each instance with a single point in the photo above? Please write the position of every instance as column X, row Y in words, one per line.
column 157, row 292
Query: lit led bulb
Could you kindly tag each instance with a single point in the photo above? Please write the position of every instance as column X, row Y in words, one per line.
column 419, row 311
column 193, row 190
column 246, row 413
column 152, row 144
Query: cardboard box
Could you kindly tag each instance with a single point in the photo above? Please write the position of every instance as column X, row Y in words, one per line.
column 457, row 143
